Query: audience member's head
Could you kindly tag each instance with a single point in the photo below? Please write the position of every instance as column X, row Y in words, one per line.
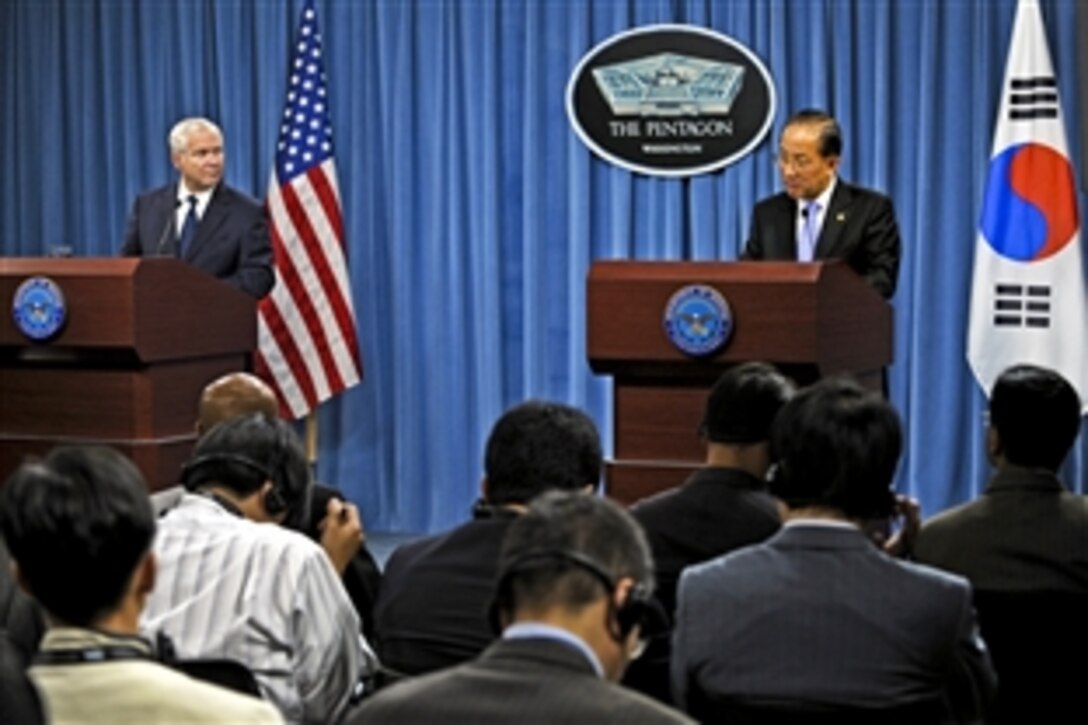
column 835, row 447
column 256, row 460
column 743, row 403
column 233, row 396
column 739, row 412
column 538, row 446
column 582, row 563
column 1034, row 418
column 79, row 526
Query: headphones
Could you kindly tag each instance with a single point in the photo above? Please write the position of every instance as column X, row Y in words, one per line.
column 639, row 608
column 279, row 499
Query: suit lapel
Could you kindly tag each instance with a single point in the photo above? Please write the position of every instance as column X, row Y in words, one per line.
column 785, row 222
column 838, row 214
column 217, row 212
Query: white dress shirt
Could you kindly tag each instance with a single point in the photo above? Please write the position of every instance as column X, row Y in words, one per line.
column 263, row 595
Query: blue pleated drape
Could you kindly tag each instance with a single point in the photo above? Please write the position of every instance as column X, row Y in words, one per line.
column 473, row 212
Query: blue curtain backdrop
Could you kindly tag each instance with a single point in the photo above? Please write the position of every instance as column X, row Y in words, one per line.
column 473, row 211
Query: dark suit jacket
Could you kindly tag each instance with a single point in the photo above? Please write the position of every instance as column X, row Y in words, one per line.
column 432, row 610
column 21, row 620
column 231, row 240
column 859, row 227
column 818, row 615
column 716, row 511
column 514, row 681
column 1026, row 532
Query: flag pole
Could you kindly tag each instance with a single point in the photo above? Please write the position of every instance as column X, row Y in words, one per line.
column 311, row 437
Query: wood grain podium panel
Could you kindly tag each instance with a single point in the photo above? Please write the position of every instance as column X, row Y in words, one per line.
column 141, row 340
column 809, row 320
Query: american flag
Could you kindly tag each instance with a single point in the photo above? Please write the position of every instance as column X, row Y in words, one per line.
column 307, row 347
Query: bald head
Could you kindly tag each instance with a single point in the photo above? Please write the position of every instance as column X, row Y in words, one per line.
column 234, row 396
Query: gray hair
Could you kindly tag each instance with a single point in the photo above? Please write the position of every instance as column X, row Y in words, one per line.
column 179, row 134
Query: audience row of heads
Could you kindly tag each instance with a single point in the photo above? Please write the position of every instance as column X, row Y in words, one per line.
column 80, row 519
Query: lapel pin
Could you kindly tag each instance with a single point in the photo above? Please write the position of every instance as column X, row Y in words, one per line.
column 840, row 217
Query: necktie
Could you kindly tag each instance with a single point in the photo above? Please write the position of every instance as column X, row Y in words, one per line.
column 806, row 244
column 188, row 228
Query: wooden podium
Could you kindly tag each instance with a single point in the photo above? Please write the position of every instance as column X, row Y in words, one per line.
column 142, row 338
column 810, row 320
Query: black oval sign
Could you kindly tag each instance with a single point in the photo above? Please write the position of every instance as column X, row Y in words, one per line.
column 671, row 100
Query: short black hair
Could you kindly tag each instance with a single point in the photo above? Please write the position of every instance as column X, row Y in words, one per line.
column 534, row 570
column 837, row 445
column 537, row 446
column 743, row 403
column 830, row 131
column 242, row 453
column 1036, row 414
column 78, row 523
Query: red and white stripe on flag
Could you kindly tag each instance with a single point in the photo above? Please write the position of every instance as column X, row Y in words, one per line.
column 307, row 346
column 1029, row 302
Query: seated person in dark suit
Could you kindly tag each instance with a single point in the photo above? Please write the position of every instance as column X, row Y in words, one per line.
column 237, row 395
column 432, row 609
column 721, row 507
column 79, row 527
column 573, row 594
column 818, row 616
column 1023, row 544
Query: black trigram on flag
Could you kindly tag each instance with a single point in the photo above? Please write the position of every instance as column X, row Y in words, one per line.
column 1018, row 305
column 1033, row 98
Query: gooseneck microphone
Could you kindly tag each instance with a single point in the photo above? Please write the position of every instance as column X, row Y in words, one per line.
column 167, row 228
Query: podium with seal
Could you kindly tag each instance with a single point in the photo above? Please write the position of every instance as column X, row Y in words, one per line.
column 665, row 331
column 114, row 352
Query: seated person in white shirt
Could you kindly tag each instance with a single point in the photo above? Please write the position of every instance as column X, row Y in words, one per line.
column 79, row 527
column 235, row 584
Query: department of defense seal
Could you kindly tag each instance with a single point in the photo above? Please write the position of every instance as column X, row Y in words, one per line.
column 38, row 308
column 698, row 319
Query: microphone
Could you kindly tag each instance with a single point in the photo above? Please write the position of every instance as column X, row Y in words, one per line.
column 167, row 228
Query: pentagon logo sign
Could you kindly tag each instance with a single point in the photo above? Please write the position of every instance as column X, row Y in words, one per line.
column 671, row 100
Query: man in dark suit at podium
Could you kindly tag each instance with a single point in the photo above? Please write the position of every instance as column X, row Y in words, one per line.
column 199, row 218
column 822, row 217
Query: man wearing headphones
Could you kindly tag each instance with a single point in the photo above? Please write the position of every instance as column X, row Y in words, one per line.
column 79, row 526
column 573, row 599
column 818, row 617
column 235, row 585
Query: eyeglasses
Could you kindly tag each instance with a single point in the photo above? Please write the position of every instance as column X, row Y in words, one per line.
column 797, row 162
